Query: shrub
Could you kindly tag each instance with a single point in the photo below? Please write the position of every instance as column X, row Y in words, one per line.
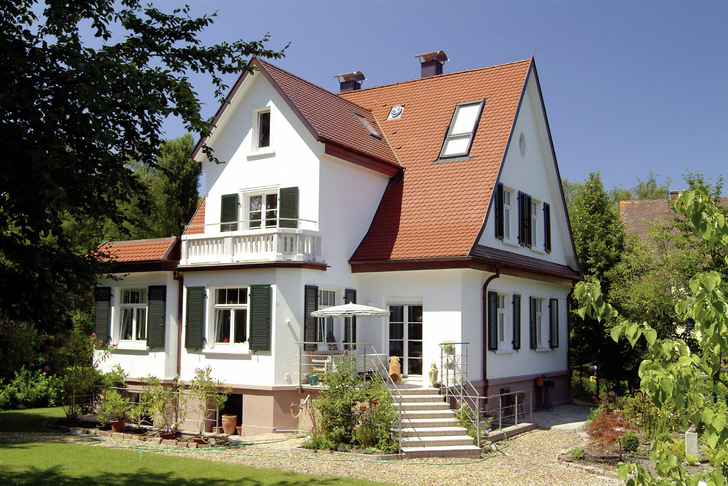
column 606, row 431
column 630, row 442
column 113, row 407
column 31, row 389
column 577, row 453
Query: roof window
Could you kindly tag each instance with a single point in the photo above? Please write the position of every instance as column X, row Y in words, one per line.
column 372, row 131
column 462, row 129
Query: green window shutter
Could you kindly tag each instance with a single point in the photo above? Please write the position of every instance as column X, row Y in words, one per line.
column 260, row 312
column 534, row 322
column 499, row 225
column 516, row 322
column 524, row 214
column 547, row 227
column 103, row 313
column 492, row 321
column 157, row 299
column 195, row 326
column 350, row 330
column 229, row 212
column 310, row 304
column 554, row 322
column 288, row 207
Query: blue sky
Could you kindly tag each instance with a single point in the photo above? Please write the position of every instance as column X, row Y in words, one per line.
column 628, row 86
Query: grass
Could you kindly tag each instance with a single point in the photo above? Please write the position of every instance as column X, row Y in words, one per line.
column 61, row 464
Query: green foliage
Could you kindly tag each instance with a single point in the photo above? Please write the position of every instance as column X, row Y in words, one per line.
column 673, row 372
column 649, row 188
column 467, row 419
column 75, row 109
column 113, row 407
column 350, row 403
column 31, row 389
column 630, row 442
column 577, row 453
column 606, row 431
column 163, row 402
column 207, row 393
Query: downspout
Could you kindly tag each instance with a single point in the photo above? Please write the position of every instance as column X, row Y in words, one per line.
column 485, row 328
column 180, row 283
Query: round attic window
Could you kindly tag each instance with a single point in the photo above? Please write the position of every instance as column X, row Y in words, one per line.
column 522, row 144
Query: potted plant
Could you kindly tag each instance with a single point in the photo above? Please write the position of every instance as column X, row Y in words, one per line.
column 113, row 410
column 207, row 393
column 166, row 405
column 540, row 380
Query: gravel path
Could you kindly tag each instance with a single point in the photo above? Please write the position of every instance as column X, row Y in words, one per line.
column 528, row 459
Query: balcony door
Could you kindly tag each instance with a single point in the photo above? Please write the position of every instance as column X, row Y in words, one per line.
column 405, row 337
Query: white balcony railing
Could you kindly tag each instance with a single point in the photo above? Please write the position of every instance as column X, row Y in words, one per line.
column 268, row 245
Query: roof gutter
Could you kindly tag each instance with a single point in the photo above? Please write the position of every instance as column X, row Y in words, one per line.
column 485, row 328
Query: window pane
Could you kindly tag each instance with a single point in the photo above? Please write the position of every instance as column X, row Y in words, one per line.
column 455, row 146
column 465, row 118
column 232, row 296
column 396, row 330
column 414, row 349
column 414, row 366
column 141, row 324
column 396, row 348
column 221, row 296
column 271, row 201
column 264, row 129
column 415, row 313
column 414, row 330
column 256, row 203
column 397, row 313
column 241, row 321
column 126, row 323
column 222, row 326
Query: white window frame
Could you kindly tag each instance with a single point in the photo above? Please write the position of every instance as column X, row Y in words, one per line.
column 462, row 129
column 505, row 323
column 264, row 194
column 327, row 297
column 542, row 325
column 508, row 215
column 217, row 310
column 535, row 224
column 134, row 308
column 256, row 147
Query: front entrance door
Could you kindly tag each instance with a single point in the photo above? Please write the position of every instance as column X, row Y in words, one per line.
column 405, row 337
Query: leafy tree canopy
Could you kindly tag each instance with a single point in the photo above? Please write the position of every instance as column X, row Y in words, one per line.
column 73, row 115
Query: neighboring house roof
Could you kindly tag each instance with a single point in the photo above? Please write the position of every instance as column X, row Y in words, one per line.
column 140, row 255
column 639, row 216
column 436, row 210
column 197, row 223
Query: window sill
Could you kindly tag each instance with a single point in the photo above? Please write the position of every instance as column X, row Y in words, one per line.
column 511, row 242
column 261, row 153
column 504, row 351
column 542, row 349
column 131, row 346
column 228, row 349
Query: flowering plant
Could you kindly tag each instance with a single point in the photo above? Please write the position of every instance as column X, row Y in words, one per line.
column 208, row 393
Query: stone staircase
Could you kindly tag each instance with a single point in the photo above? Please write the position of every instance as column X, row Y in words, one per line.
column 429, row 427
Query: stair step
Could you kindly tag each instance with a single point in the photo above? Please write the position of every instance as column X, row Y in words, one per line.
column 406, row 415
column 433, row 431
column 419, row 398
column 416, row 391
column 422, row 406
column 430, row 422
column 443, row 451
column 446, row 440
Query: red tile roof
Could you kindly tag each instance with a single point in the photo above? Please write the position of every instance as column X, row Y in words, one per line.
column 437, row 209
column 639, row 216
column 197, row 223
column 154, row 250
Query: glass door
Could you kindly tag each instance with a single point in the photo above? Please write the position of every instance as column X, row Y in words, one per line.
column 405, row 337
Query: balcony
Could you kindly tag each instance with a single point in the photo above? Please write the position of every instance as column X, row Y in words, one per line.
column 252, row 246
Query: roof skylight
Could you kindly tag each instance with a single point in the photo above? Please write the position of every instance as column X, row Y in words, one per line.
column 372, row 131
column 462, row 129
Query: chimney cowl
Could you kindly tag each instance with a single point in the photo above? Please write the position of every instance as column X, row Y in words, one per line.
column 350, row 81
column 431, row 63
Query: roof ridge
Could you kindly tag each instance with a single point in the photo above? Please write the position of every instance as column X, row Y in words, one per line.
column 324, row 90
column 433, row 78
column 165, row 238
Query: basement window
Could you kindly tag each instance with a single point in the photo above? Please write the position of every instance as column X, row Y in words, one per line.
column 462, row 129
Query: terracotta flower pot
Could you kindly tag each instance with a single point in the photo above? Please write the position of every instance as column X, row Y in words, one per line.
column 198, row 440
column 229, row 422
column 539, row 381
column 118, row 425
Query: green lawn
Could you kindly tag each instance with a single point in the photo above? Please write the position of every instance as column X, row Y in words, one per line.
column 60, row 464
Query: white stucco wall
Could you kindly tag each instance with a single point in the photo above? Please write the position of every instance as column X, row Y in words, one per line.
column 138, row 361
column 534, row 173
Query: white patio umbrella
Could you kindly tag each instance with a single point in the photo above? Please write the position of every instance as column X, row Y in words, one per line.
column 351, row 310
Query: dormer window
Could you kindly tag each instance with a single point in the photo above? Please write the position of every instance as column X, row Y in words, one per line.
column 462, row 129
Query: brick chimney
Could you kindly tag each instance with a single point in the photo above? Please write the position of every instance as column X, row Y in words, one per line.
column 350, row 81
column 431, row 63
column 674, row 195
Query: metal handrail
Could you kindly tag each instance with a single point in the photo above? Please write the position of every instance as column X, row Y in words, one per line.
column 463, row 397
column 358, row 349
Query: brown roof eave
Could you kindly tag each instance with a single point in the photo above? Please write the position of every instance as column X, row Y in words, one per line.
column 144, row 266
column 357, row 158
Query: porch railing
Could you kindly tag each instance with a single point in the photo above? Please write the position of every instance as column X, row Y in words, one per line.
column 315, row 358
column 479, row 410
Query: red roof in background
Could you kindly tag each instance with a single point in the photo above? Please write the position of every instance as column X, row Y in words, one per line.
column 197, row 223
column 438, row 209
column 639, row 216
column 154, row 250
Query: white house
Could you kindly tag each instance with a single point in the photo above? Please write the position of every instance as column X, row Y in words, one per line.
column 437, row 198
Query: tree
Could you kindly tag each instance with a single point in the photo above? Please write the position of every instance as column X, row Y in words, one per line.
column 72, row 115
column 693, row 380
